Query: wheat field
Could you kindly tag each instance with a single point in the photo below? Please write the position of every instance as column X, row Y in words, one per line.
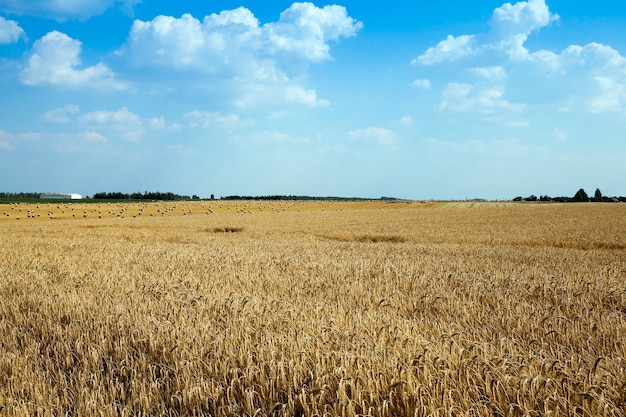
column 313, row 309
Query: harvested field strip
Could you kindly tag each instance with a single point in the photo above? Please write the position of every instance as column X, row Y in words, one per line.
column 225, row 230
column 365, row 238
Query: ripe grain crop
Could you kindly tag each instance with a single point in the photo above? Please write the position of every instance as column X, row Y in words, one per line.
column 333, row 309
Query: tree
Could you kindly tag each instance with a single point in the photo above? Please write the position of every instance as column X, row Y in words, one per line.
column 581, row 195
column 597, row 195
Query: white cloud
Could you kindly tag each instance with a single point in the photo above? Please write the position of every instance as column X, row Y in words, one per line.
column 296, row 94
column 226, row 40
column 233, row 50
column 485, row 99
column 167, row 41
column 489, row 73
column 379, row 134
column 612, row 97
column 61, row 115
column 274, row 93
column 590, row 77
column 157, row 123
column 72, row 143
column 128, row 124
column 593, row 56
column 10, row 31
column 58, row 142
column 511, row 20
column 90, row 136
column 423, row 84
column 204, row 119
column 450, row 49
column 304, row 30
column 54, row 61
column 239, row 16
column 510, row 26
column 407, row 121
column 63, row 10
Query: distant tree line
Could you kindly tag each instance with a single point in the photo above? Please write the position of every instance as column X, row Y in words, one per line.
column 301, row 198
column 580, row 196
column 19, row 195
column 147, row 195
column 169, row 196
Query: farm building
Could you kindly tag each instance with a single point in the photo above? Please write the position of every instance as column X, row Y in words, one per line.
column 62, row 195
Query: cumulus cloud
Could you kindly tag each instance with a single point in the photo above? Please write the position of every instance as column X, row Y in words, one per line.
column 379, row 134
column 90, row 136
column 486, row 99
column 297, row 94
column 612, row 97
column 304, row 30
column 204, row 119
column 511, row 20
column 590, row 77
column 271, row 93
column 510, row 26
column 61, row 115
column 168, row 41
column 65, row 9
column 123, row 121
column 422, row 84
column 489, row 73
column 10, row 31
column 157, row 123
column 231, row 37
column 449, row 49
column 233, row 48
column 55, row 59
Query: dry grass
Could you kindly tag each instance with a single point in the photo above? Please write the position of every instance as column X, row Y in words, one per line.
column 315, row 309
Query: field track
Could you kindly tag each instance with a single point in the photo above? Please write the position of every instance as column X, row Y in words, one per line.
column 317, row 308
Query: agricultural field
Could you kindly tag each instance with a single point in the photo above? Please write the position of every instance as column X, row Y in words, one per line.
column 313, row 309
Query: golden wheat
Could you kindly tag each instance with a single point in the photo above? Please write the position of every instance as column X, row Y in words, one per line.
column 334, row 309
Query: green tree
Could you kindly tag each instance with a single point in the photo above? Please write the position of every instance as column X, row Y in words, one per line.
column 581, row 195
column 597, row 195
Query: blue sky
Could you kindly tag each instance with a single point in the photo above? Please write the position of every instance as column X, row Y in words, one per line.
column 419, row 100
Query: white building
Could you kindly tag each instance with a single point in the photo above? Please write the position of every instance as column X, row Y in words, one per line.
column 62, row 195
